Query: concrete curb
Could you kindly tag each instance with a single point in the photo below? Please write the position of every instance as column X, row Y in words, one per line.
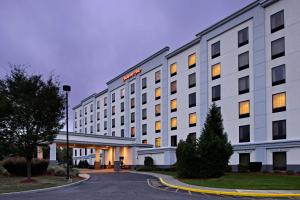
column 85, row 176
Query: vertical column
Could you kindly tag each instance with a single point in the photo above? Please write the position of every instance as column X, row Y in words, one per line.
column 137, row 110
column 97, row 158
column 53, row 154
column 117, row 159
column 40, row 152
column 164, row 104
column 126, row 110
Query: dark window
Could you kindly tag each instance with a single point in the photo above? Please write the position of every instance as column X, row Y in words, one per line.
column 244, row 159
column 113, row 123
column 132, row 117
column 278, row 75
column 144, row 98
column 192, row 80
column 85, row 151
column 132, row 88
column 173, row 87
column 192, row 100
column 91, row 107
column 105, row 101
column 157, row 77
column 215, row 50
column 122, row 120
column 91, row 129
column 243, row 61
column 144, row 113
column 279, row 129
column 193, row 136
column 144, row 83
column 98, row 127
column 277, row 21
column 113, row 110
column 132, row 103
column 144, row 129
column 105, row 113
column 278, row 48
column 244, row 133
column 279, row 160
column 122, row 133
column 216, row 93
column 113, row 133
column 174, row 140
column 244, row 85
column 105, row 125
column 122, row 106
column 243, row 37
column 113, row 97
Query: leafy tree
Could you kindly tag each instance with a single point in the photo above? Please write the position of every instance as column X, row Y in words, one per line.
column 213, row 146
column 31, row 111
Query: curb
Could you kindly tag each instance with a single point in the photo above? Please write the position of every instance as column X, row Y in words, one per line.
column 85, row 176
column 219, row 192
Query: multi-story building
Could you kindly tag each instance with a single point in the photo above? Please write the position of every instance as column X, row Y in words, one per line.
column 247, row 64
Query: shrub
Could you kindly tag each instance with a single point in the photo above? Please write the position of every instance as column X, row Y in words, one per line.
column 3, row 171
column 74, row 172
column 59, row 171
column 83, row 164
column 148, row 162
column 51, row 170
column 255, row 166
column 243, row 168
column 290, row 172
column 17, row 166
column 228, row 168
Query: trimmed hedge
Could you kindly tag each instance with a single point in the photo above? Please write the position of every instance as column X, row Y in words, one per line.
column 83, row 164
column 17, row 166
column 255, row 166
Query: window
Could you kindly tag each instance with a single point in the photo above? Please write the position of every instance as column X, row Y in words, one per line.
column 98, row 127
column 244, row 159
column 173, row 123
column 192, row 100
column 173, row 140
column 144, row 98
column 132, row 88
column 122, row 133
column 105, row 113
column 279, row 102
column 243, row 37
column 75, row 124
column 85, row 151
column 85, row 110
column 157, row 93
column 144, row 129
column 75, row 152
column 80, row 113
column 277, row 21
column 244, row 109
column 243, row 61
column 75, row 115
column 113, row 110
column 157, row 110
column 173, row 69
column 192, row 80
column 216, row 93
column 144, row 113
column 244, row 85
column 105, row 125
column 91, row 118
column 98, row 115
column 113, row 123
column 91, row 107
column 113, row 97
column 85, row 130
column 193, row 136
column 91, row 150
column 144, row 141
column 122, row 93
column 85, row 120
column 80, row 124
column 157, row 142
column 80, row 152
column 173, row 105
column 122, row 120
column 132, row 131
column 192, row 60
column 278, row 75
column 173, row 87
column 157, row 126
column 279, row 161
column 157, row 77
column 279, row 129
column 215, row 71
column 122, row 106
column 244, row 133
column 98, row 104
column 278, row 48
column 192, row 119
column 113, row 133
column 132, row 117
column 144, row 83
column 105, row 101
column 132, row 104
column 215, row 50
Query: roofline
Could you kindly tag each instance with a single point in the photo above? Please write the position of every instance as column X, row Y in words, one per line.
column 85, row 99
column 102, row 92
column 183, row 48
column 139, row 64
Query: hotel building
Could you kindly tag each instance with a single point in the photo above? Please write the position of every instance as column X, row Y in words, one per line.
column 247, row 64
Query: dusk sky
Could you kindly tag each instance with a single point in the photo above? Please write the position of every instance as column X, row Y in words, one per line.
column 88, row 42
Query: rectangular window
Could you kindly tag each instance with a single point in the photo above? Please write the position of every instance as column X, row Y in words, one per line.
column 113, row 133
column 113, row 97
column 98, row 115
column 105, row 113
column 85, row 120
column 113, row 110
column 243, row 37
column 244, row 109
column 122, row 106
column 132, row 117
column 157, row 127
column 105, row 125
column 216, row 93
column 173, row 87
column 144, row 83
column 75, row 124
column 244, row 85
column 157, row 142
column 80, row 113
column 277, row 21
column 122, row 120
column 75, row 115
column 132, row 103
column 192, row 60
column 157, row 110
column 144, row 129
column 144, row 141
column 91, row 118
column 157, row 77
column 105, row 101
column 85, row 130
column 144, row 114
column 243, row 61
column 279, row 102
column 98, row 127
column 80, row 123
column 192, row 100
column 173, row 69
column 98, row 104
column 192, row 80
column 85, row 110
column 173, row 105
column 279, row 161
column 144, row 98
column 157, row 93
column 278, row 75
column 244, row 133
column 173, row 140
column 279, row 129
column 215, row 50
column 113, row 123
column 122, row 93
column 192, row 119
column 132, row 88
column 215, row 71
column 174, row 123
column 132, row 131
column 122, row 133
column 244, row 159
column 91, row 107
column 278, row 48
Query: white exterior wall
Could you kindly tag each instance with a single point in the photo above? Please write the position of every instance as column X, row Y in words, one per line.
column 118, row 112
column 101, row 110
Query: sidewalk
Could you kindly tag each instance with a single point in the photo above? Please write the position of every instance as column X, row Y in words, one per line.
column 174, row 183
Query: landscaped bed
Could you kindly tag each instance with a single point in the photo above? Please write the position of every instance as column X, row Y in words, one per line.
column 259, row 181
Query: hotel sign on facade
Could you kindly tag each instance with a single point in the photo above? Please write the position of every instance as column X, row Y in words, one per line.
column 132, row 74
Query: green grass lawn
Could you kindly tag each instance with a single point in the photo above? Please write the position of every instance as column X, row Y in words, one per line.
column 13, row 184
column 257, row 181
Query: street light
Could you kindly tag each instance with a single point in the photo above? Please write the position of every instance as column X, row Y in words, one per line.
column 67, row 89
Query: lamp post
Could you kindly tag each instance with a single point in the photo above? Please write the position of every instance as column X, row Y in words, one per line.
column 67, row 89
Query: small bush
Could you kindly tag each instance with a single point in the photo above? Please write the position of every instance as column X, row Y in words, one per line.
column 59, row 171
column 243, row 168
column 290, row 172
column 74, row 172
column 83, row 164
column 148, row 162
column 3, row 171
column 255, row 166
column 51, row 170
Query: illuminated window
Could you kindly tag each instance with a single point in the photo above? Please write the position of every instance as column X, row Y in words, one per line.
column 157, row 93
column 173, row 87
column 173, row 69
column 157, row 77
column 279, row 102
column 216, row 71
column 173, row 123
column 144, row 141
column 192, row 60
column 192, row 119
column 132, row 131
column 157, row 126
column 157, row 142
column 157, row 110
column 244, row 109
column 173, row 105
column 122, row 93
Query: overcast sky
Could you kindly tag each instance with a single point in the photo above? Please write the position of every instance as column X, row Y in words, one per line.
column 88, row 42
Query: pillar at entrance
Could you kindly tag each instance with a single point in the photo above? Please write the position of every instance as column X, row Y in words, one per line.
column 117, row 165
column 40, row 152
column 97, row 158
column 53, row 154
